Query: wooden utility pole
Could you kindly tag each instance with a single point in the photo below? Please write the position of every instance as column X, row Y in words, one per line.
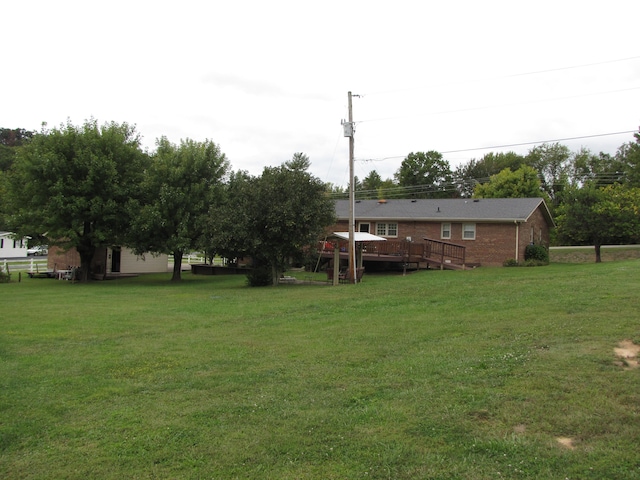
column 352, row 200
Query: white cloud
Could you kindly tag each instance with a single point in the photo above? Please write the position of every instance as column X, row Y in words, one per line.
column 268, row 79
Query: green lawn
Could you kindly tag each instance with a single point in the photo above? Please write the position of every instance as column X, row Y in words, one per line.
column 469, row 375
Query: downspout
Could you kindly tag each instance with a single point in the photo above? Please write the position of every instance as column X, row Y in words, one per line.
column 517, row 240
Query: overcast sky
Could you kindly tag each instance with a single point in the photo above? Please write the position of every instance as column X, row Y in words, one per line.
column 266, row 79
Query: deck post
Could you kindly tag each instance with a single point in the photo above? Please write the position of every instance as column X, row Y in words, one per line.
column 336, row 264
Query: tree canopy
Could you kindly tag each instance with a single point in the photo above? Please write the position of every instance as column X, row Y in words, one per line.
column 276, row 215
column 180, row 187
column 75, row 184
column 599, row 216
column 426, row 169
column 522, row 183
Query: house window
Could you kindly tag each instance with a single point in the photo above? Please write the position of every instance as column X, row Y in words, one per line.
column 1, row 242
column 387, row 229
column 364, row 227
column 468, row 231
column 445, row 232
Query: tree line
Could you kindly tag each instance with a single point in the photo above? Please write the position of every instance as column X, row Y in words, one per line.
column 594, row 198
column 93, row 186
column 546, row 170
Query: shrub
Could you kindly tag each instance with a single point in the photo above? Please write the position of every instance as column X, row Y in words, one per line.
column 537, row 253
column 260, row 277
column 511, row 262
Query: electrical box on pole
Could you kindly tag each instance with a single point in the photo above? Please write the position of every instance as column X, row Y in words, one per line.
column 348, row 128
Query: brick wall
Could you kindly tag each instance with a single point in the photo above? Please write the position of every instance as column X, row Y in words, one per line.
column 494, row 242
column 58, row 259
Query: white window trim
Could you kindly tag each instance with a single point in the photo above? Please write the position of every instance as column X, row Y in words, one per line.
column 464, row 230
column 442, row 230
column 386, row 229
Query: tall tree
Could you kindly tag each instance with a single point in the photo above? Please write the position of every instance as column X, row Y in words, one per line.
column 470, row 174
column 75, row 184
column 370, row 185
column 523, row 183
column 428, row 173
column 599, row 170
column 599, row 216
column 292, row 214
column 629, row 157
column 552, row 162
column 373, row 187
column 286, row 209
column 180, row 187
column 230, row 231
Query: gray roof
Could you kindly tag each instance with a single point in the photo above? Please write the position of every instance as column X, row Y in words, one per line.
column 449, row 209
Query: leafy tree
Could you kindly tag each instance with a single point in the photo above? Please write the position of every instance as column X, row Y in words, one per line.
column 10, row 140
column 181, row 185
column 3, row 201
column 523, row 183
column 75, row 184
column 370, row 185
column 600, row 216
column 230, row 230
column 373, row 187
column 428, row 173
column 336, row 190
column 286, row 209
column 599, row 170
column 551, row 161
column 628, row 156
column 479, row 171
column 292, row 214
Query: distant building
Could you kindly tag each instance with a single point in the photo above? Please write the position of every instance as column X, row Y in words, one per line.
column 11, row 247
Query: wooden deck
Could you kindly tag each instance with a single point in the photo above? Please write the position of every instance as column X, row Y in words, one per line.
column 426, row 254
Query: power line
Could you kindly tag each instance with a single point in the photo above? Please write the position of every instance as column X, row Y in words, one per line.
column 457, row 184
column 508, row 145
column 512, row 75
column 487, row 107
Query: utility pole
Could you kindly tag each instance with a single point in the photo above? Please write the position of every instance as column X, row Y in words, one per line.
column 349, row 131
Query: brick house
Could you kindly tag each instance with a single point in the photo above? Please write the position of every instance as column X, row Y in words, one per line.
column 491, row 230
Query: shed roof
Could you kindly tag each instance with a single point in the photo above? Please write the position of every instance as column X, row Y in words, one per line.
column 448, row 209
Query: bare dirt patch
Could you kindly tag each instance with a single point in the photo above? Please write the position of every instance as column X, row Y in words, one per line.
column 566, row 442
column 628, row 353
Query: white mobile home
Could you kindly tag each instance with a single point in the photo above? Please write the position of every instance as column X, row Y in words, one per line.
column 11, row 247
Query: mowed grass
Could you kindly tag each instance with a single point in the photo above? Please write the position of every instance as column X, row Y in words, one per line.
column 469, row 375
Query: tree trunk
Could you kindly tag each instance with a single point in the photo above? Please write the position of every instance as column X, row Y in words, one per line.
column 177, row 266
column 598, row 257
column 275, row 274
column 86, row 256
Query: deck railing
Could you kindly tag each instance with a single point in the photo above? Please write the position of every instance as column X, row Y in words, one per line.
column 445, row 252
column 401, row 248
column 437, row 251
